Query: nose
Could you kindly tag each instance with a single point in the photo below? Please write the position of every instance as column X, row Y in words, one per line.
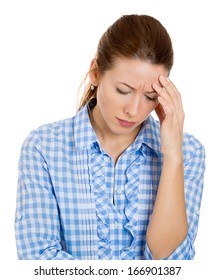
column 132, row 107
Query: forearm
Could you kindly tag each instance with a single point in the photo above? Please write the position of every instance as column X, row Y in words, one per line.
column 168, row 226
column 48, row 254
column 38, row 240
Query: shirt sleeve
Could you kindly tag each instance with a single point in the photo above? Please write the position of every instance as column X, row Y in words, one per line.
column 193, row 183
column 37, row 222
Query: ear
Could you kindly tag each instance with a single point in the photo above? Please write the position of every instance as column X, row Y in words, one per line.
column 94, row 73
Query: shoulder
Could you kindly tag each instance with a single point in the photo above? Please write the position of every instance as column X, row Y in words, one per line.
column 56, row 129
column 192, row 147
column 50, row 133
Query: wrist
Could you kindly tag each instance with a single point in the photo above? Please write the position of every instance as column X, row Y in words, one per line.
column 176, row 157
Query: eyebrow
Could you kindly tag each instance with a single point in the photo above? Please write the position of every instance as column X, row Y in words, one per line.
column 126, row 85
column 148, row 92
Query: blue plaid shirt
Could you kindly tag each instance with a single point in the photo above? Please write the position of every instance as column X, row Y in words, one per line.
column 73, row 203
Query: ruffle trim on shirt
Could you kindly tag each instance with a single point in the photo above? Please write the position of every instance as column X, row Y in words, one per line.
column 103, row 207
column 131, row 210
column 102, row 204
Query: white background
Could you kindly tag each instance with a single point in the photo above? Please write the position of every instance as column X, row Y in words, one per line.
column 45, row 51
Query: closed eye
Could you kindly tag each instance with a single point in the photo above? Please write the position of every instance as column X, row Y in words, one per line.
column 151, row 98
column 122, row 92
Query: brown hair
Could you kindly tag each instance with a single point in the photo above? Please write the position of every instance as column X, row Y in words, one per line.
column 132, row 36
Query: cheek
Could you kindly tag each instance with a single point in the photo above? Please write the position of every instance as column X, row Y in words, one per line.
column 147, row 108
column 105, row 102
column 101, row 98
column 107, row 98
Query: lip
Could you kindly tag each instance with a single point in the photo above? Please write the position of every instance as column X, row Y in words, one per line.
column 125, row 123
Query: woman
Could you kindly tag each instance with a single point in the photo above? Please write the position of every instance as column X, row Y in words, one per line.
column 112, row 183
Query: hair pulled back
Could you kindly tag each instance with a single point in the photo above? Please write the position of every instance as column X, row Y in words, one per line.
column 132, row 36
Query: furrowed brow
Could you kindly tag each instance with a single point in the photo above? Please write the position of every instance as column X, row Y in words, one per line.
column 125, row 84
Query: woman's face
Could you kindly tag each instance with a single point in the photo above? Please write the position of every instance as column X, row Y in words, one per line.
column 125, row 96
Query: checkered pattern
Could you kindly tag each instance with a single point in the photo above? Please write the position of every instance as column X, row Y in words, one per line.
column 72, row 203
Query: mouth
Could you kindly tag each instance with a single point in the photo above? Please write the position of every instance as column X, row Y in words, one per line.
column 125, row 123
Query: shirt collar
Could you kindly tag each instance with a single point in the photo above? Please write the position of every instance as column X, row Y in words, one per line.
column 85, row 135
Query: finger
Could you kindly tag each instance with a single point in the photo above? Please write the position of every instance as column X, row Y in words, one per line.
column 167, row 107
column 170, row 113
column 170, row 89
column 174, row 93
column 162, row 92
column 170, row 95
column 160, row 112
column 168, row 85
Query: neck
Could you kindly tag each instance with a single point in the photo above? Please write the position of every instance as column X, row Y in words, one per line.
column 106, row 136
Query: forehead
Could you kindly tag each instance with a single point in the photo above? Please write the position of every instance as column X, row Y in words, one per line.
column 135, row 71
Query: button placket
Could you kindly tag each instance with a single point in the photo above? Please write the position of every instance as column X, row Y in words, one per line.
column 116, row 225
column 119, row 191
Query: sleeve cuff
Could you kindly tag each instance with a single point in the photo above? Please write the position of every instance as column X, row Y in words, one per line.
column 185, row 251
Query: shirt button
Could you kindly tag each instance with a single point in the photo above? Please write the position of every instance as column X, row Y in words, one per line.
column 119, row 191
column 198, row 211
column 18, row 216
column 116, row 225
